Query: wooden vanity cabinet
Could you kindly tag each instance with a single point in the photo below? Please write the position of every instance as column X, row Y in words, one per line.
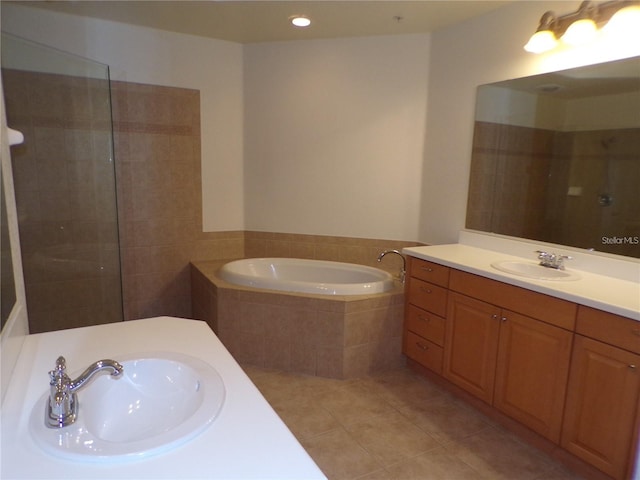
column 601, row 412
column 516, row 350
column 517, row 363
column 425, row 308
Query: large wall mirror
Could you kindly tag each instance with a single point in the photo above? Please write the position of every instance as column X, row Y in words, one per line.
column 556, row 158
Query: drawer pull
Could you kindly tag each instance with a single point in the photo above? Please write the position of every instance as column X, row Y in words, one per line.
column 504, row 319
column 425, row 290
column 423, row 318
column 632, row 366
column 422, row 346
column 427, row 269
column 494, row 316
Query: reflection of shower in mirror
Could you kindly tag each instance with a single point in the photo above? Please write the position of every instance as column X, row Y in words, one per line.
column 606, row 199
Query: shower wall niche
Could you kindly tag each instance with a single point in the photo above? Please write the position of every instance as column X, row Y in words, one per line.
column 65, row 185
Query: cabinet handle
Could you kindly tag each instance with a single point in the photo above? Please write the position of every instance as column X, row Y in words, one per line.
column 636, row 332
column 427, row 269
column 425, row 290
column 504, row 319
column 424, row 319
column 632, row 366
column 494, row 316
column 422, row 346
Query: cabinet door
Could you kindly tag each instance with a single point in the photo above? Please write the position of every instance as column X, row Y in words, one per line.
column 532, row 371
column 471, row 344
column 602, row 405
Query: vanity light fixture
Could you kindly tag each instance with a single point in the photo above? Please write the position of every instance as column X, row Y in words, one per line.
column 300, row 21
column 581, row 26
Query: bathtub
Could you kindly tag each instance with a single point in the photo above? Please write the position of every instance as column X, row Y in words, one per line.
column 307, row 276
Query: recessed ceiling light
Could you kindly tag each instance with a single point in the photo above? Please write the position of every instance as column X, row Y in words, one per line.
column 300, row 21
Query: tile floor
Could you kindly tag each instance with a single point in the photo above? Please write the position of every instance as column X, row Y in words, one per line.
column 398, row 425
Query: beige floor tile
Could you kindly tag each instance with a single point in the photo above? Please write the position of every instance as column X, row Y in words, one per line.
column 398, row 426
column 559, row 473
column 276, row 385
column 381, row 474
column 391, row 438
column 497, row 454
column 304, row 416
column 445, row 418
column 339, row 456
column 436, row 464
column 403, row 388
column 354, row 403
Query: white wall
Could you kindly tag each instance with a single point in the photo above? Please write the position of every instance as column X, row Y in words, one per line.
column 356, row 158
column 484, row 50
column 334, row 135
column 144, row 55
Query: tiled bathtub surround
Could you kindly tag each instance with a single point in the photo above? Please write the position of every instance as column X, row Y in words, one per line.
column 329, row 336
column 363, row 251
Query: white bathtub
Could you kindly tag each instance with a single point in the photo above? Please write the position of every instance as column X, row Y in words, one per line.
column 307, row 276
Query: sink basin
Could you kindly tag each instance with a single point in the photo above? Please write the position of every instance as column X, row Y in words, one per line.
column 162, row 400
column 533, row 270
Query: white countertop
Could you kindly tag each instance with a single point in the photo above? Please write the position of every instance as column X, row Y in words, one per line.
column 246, row 441
column 613, row 295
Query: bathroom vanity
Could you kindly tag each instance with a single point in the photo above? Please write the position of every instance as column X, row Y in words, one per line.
column 559, row 357
column 245, row 439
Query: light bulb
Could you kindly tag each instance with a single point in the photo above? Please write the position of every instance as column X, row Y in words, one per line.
column 624, row 25
column 300, row 21
column 580, row 32
column 541, row 41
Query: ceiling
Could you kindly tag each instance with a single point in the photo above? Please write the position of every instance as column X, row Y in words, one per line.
column 267, row 21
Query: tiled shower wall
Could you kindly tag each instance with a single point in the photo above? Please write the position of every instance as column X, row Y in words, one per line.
column 508, row 184
column 520, row 179
column 157, row 147
column 63, row 176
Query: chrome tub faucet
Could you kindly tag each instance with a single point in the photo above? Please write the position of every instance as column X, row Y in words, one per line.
column 403, row 272
column 62, row 407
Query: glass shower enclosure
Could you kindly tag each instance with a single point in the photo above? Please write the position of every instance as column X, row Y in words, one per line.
column 64, row 176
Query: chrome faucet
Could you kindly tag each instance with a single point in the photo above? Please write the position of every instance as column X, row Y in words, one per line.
column 62, row 407
column 552, row 260
column 403, row 272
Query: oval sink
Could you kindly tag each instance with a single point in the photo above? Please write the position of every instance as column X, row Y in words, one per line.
column 162, row 400
column 533, row 270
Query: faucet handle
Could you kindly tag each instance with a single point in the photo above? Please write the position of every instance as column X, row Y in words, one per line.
column 59, row 371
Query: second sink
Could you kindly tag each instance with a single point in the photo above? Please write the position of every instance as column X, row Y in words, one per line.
column 161, row 401
column 533, row 270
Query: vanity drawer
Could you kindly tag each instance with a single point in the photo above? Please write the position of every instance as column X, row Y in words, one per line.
column 552, row 310
column 423, row 351
column 429, row 271
column 425, row 324
column 428, row 296
column 609, row 328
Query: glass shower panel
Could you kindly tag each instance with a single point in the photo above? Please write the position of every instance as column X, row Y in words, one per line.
column 65, row 185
